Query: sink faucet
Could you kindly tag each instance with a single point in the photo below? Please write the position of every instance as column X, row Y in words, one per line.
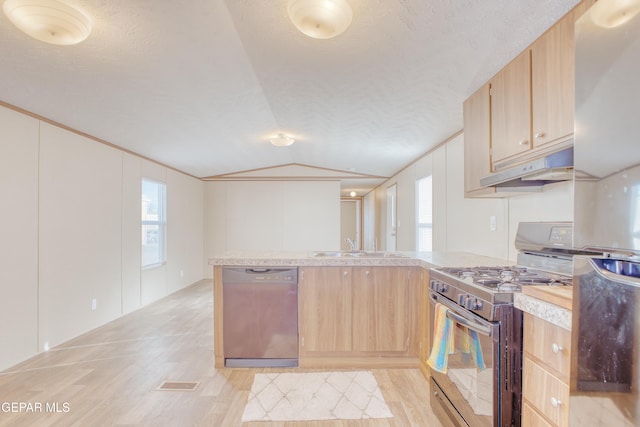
column 351, row 244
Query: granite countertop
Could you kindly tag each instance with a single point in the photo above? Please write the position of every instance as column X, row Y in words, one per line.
column 301, row 259
column 548, row 311
column 545, row 310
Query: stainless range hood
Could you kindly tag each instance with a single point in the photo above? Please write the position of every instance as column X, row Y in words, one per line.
column 553, row 167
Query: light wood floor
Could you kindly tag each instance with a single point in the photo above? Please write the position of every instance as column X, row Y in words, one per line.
column 110, row 376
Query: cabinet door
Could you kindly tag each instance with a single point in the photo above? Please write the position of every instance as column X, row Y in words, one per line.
column 549, row 344
column 477, row 138
column 531, row 418
column 546, row 392
column 552, row 80
column 511, row 109
column 425, row 324
column 381, row 312
column 325, row 316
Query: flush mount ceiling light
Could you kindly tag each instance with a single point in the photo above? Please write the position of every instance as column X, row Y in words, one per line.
column 613, row 13
column 320, row 19
column 50, row 21
column 281, row 140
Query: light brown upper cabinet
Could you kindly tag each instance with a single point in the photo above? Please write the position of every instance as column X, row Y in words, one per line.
column 477, row 140
column 529, row 109
column 552, row 80
column 511, row 109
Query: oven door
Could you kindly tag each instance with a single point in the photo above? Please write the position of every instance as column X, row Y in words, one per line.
column 465, row 375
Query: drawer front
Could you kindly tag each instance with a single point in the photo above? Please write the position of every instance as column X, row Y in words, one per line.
column 531, row 418
column 548, row 343
column 546, row 392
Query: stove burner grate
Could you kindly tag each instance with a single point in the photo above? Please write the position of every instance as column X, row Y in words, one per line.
column 510, row 278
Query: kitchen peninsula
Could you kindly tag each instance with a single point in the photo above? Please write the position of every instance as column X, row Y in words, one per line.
column 356, row 309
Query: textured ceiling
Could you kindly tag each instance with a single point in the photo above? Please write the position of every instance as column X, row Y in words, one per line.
column 199, row 85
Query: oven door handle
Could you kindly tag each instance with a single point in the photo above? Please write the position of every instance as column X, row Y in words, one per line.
column 451, row 314
column 469, row 323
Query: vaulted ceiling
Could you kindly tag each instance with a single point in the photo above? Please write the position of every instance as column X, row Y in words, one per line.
column 200, row 85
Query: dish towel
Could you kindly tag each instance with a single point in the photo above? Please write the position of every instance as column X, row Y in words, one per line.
column 443, row 341
column 469, row 344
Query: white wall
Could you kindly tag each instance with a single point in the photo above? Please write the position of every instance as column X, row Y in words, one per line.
column 18, row 237
column 468, row 219
column 70, row 233
column 80, row 234
column 185, row 225
column 271, row 216
column 464, row 224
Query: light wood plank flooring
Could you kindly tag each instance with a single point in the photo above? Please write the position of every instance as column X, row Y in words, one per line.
column 110, row 376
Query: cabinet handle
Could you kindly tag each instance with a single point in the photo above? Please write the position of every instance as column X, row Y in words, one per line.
column 556, row 348
column 540, row 135
column 345, row 273
column 366, row 273
column 556, row 403
column 525, row 142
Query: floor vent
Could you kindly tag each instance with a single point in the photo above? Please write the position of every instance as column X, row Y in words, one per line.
column 178, row 385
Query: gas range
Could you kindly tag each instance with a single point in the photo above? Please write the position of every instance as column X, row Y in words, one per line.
column 481, row 289
column 486, row 388
column 545, row 258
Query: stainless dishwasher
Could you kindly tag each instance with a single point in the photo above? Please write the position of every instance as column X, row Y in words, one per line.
column 260, row 316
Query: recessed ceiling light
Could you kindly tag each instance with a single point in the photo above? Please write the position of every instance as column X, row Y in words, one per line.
column 320, row 19
column 50, row 21
column 281, row 140
column 353, row 194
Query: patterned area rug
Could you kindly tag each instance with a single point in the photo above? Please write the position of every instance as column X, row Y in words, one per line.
column 315, row 396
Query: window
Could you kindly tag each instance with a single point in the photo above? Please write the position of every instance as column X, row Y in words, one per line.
column 153, row 223
column 424, row 188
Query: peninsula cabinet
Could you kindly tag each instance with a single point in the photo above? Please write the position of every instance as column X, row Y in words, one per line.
column 359, row 316
column 424, row 331
column 325, row 310
column 545, row 373
column 384, row 309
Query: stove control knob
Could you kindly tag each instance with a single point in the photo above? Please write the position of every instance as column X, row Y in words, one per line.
column 434, row 285
column 473, row 304
column 462, row 299
column 444, row 288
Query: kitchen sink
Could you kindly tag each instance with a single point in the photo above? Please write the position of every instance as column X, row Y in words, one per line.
column 357, row 254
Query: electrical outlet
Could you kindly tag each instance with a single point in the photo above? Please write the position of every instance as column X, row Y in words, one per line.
column 493, row 223
column 181, row 273
column 94, row 304
column 46, row 346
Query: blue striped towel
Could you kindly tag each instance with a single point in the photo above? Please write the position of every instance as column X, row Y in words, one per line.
column 443, row 343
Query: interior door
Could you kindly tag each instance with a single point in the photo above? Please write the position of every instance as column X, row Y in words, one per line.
column 350, row 223
column 391, row 217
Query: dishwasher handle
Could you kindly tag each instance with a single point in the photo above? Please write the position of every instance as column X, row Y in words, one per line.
column 246, row 275
column 255, row 270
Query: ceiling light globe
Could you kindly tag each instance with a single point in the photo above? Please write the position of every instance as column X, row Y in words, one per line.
column 281, row 140
column 50, row 21
column 320, row 19
column 613, row 13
